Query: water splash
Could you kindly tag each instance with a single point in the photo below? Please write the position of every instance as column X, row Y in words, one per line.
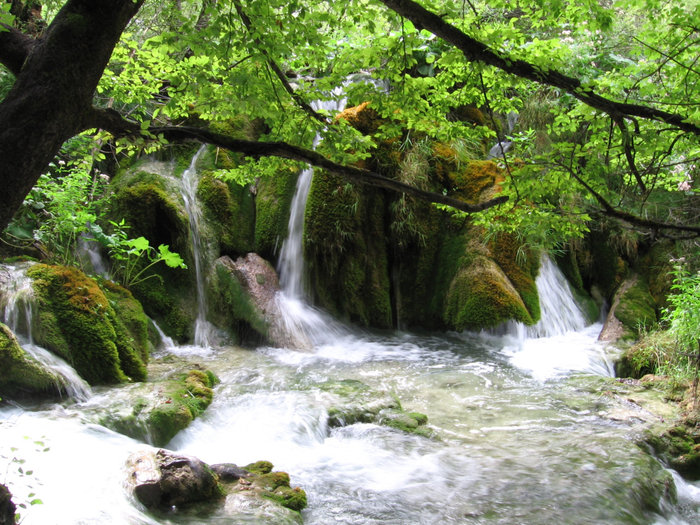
column 203, row 330
column 305, row 325
column 17, row 303
column 560, row 342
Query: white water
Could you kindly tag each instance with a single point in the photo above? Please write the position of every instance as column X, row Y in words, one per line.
column 299, row 319
column 560, row 342
column 203, row 330
column 16, row 303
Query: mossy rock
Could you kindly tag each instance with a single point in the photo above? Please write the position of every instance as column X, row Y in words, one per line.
column 76, row 321
column 147, row 198
column 636, row 309
column 481, row 296
column 232, row 307
column 475, row 181
column 346, row 251
column 362, row 117
column 272, row 204
column 181, row 402
column 229, row 209
column 22, row 375
column 130, row 314
column 680, row 448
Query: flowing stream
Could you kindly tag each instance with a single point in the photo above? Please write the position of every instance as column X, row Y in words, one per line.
column 526, row 428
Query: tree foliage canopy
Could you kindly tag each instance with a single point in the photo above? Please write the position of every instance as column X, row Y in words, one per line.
column 605, row 92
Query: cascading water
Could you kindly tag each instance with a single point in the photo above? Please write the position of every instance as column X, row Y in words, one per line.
column 203, row 330
column 16, row 303
column 303, row 322
column 561, row 341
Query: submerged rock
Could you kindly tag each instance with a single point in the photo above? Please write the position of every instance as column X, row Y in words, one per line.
column 351, row 401
column 155, row 412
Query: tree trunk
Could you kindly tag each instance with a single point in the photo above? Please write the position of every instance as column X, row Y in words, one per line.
column 51, row 99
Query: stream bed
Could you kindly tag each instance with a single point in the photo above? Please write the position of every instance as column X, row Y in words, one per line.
column 523, row 431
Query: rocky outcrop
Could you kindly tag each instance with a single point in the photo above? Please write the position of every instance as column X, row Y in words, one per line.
column 633, row 309
column 76, row 321
column 22, row 375
column 247, row 293
column 163, row 480
column 155, row 412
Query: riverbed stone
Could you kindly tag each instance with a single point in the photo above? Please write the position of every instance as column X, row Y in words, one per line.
column 163, row 480
column 154, row 412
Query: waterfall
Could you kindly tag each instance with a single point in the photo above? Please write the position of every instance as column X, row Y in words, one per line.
column 16, row 299
column 203, row 330
column 559, row 311
column 304, row 324
column 561, row 341
column 17, row 313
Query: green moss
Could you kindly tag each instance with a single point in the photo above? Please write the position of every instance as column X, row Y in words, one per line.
column 259, row 467
column 680, row 447
column 272, row 203
column 77, row 322
column 230, row 211
column 184, row 400
column 291, row 498
column 636, row 308
column 480, row 296
column 129, row 312
column 520, row 265
column 21, row 374
column 469, row 183
column 346, row 251
column 165, row 304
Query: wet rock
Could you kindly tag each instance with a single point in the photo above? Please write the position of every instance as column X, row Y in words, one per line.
column 7, row 507
column 155, row 412
column 165, row 481
column 161, row 479
column 248, row 291
column 632, row 307
column 22, row 375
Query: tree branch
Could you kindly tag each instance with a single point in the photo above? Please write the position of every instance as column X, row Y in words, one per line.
column 476, row 51
column 111, row 121
column 14, row 48
column 277, row 71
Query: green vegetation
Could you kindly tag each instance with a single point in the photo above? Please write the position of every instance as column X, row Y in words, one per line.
column 77, row 322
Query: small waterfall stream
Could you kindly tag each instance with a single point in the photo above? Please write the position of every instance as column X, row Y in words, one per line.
column 304, row 322
column 203, row 330
column 16, row 305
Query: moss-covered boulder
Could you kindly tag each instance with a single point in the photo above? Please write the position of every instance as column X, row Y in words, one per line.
column 679, row 447
column 154, row 412
column 21, row 375
column 76, row 321
column 632, row 311
column 148, row 198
